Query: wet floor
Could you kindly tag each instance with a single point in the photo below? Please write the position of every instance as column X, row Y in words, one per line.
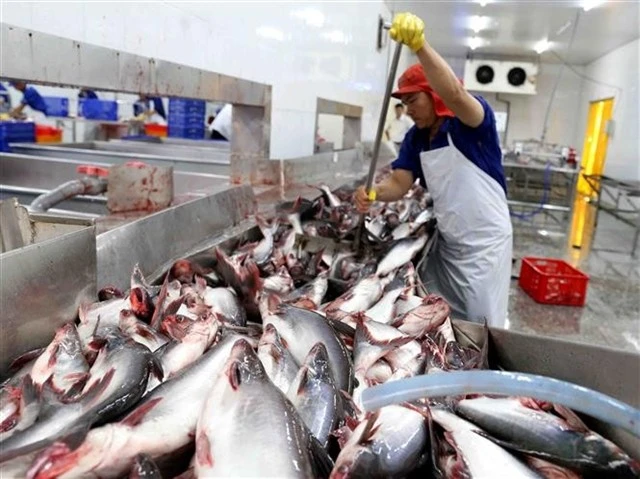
column 611, row 315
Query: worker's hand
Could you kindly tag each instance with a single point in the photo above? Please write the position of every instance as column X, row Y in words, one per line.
column 408, row 29
column 363, row 200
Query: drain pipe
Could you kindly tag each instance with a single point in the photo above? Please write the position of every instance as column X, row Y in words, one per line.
column 94, row 183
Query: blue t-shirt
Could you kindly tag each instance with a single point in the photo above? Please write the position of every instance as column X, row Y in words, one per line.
column 142, row 105
column 32, row 98
column 480, row 145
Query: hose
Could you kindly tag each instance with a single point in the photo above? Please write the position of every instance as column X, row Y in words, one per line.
column 88, row 185
column 458, row 383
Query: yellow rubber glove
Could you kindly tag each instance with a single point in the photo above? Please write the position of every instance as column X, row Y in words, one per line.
column 408, row 29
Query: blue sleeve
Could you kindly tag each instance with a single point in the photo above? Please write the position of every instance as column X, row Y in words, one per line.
column 34, row 100
column 406, row 157
column 158, row 106
column 488, row 122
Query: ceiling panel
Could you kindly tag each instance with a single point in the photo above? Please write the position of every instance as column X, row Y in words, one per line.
column 513, row 28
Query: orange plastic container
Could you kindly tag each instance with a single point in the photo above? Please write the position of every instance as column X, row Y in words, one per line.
column 48, row 134
column 553, row 281
column 153, row 129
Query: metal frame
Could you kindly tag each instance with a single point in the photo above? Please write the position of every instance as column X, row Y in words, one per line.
column 41, row 58
column 619, row 193
column 352, row 127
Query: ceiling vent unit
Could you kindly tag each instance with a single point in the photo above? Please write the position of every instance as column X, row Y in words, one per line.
column 500, row 77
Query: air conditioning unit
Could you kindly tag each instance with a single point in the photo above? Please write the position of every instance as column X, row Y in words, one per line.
column 500, row 77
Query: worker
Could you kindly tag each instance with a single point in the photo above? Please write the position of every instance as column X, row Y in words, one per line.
column 398, row 126
column 221, row 126
column 155, row 114
column 30, row 97
column 454, row 150
column 85, row 93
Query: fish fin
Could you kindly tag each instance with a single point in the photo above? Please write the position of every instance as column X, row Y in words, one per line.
column 421, row 409
column 135, row 417
column 201, row 284
column 303, row 380
column 155, row 367
column 97, row 388
column 51, row 398
column 203, row 450
column 320, row 460
column 348, row 405
column 29, row 392
column 571, row 418
column 273, row 302
column 370, row 429
column 25, row 358
column 341, row 328
column 74, row 391
column 399, row 340
column 156, row 318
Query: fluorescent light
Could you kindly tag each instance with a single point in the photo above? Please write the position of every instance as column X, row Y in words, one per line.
column 483, row 3
column 478, row 23
column 311, row 16
column 542, row 46
column 589, row 4
column 271, row 33
column 475, row 42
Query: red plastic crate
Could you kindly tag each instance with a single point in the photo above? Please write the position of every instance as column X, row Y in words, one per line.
column 553, row 281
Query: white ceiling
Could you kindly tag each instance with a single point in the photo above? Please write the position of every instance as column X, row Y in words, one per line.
column 515, row 27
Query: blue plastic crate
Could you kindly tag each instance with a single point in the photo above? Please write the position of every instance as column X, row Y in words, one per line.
column 193, row 132
column 188, row 120
column 93, row 109
column 16, row 132
column 181, row 105
column 56, row 105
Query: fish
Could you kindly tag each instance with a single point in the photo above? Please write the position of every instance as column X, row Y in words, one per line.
column 401, row 253
column 389, row 443
column 314, row 394
column 279, row 364
column 192, row 339
column 243, row 277
column 226, row 306
column 332, row 199
column 376, row 228
column 548, row 470
column 110, row 450
column 310, row 295
column 407, row 303
column 140, row 331
column 263, row 250
column 358, row 299
column 99, row 318
column 109, row 292
column 280, row 283
column 302, row 329
column 471, row 455
column 512, row 423
column 433, row 311
column 117, row 380
column 406, row 361
column 144, row 468
column 378, row 373
column 384, row 310
column 248, row 427
column 62, row 361
column 20, row 407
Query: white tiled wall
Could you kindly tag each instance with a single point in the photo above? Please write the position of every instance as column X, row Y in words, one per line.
column 305, row 49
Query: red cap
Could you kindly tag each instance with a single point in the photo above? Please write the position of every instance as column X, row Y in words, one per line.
column 414, row 80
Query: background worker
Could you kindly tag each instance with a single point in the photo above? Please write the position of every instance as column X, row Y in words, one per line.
column 30, row 97
column 454, row 150
column 151, row 107
column 398, row 126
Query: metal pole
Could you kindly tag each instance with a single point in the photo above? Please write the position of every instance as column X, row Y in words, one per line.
column 378, row 140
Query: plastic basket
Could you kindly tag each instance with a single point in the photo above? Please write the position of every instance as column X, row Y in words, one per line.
column 181, row 105
column 553, row 281
column 16, row 132
column 93, row 109
column 153, row 129
column 48, row 134
column 186, row 119
column 56, row 105
column 194, row 132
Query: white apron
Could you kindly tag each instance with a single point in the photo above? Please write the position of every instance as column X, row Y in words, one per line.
column 471, row 265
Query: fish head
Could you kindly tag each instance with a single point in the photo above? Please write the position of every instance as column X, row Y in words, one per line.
column 270, row 336
column 182, row 270
column 317, row 361
column 243, row 366
column 141, row 303
column 109, row 292
column 177, row 326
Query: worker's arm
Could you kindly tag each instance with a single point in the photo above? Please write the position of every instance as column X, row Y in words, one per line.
column 409, row 29
column 17, row 111
column 391, row 189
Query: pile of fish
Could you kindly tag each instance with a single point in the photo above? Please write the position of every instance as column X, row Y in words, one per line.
column 253, row 363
